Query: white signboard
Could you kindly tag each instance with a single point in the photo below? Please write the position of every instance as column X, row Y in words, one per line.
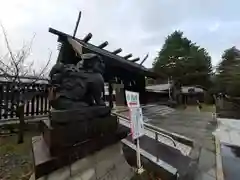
column 136, row 117
column 132, row 99
column 136, row 122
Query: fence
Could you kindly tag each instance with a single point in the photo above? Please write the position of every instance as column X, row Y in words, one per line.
column 227, row 107
column 34, row 105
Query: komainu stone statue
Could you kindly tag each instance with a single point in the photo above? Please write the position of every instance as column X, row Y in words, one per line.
column 78, row 113
column 79, row 85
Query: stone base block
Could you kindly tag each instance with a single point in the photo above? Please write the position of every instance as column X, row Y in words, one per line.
column 45, row 163
column 63, row 136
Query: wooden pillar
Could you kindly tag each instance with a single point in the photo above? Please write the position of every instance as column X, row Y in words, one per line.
column 140, row 87
column 104, row 96
column 110, row 90
column 125, row 84
column 1, row 100
column 119, row 94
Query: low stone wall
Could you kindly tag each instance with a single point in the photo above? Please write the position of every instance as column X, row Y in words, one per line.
column 225, row 108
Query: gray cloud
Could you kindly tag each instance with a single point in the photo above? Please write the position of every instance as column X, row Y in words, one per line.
column 211, row 24
column 137, row 26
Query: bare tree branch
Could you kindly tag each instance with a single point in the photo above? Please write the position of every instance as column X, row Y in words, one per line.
column 7, row 42
column 13, row 66
column 46, row 66
column 40, row 75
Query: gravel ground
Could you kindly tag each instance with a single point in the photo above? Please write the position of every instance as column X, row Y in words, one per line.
column 15, row 159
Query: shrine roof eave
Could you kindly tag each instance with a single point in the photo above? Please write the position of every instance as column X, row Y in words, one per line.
column 109, row 57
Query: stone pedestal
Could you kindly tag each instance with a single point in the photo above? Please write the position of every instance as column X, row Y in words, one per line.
column 68, row 129
column 72, row 135
column 108, row 163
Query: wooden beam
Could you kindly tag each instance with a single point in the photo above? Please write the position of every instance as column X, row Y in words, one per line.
column 127, row 56
column 103, row 45
column 117, row 51
column 56, row 32
column 103, row 52
column 135, row 60
column 144, row 59
column 87, row 37
column 77, row 23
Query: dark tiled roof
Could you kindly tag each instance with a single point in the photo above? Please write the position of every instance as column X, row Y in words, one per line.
column 118, row 60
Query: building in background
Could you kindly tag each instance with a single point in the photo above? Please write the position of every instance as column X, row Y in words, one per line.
column 169, row 92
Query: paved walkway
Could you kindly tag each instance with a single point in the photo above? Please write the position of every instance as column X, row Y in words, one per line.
column 194, row 125
column 228, row 133
column 199, row 127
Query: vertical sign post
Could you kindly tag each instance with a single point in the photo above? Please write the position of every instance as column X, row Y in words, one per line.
column 137, row 127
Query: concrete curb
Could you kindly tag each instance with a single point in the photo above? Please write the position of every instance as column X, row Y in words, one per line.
column 219, row 170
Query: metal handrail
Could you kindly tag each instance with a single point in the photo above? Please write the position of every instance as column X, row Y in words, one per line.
column 177, row 137
column 187, row 140
column 154, row 131
column 159, row 133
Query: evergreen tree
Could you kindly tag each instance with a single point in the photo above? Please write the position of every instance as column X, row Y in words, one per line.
column 183, row 61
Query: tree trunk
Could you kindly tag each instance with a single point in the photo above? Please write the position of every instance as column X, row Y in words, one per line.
column 20, row 112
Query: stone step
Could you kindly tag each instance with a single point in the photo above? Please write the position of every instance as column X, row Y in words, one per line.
column 108, row 163
column 45, row 163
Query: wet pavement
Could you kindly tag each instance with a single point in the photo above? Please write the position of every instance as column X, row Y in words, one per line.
column 228, row 133
column 201, row 127
column 230, row 161
column 198, row 126
column 194, row 125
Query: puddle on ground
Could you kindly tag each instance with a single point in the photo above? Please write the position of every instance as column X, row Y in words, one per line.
column 231, row 161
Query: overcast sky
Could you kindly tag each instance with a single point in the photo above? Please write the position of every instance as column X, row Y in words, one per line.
column 137, row 26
